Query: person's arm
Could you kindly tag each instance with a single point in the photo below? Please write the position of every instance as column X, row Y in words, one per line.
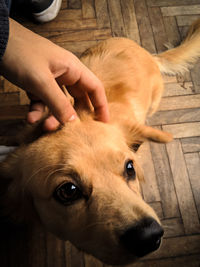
column 37, row 65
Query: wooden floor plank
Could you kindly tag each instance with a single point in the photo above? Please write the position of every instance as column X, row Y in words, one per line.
column 130, row 22
column 78, row 47
column 91, row 261
column 175, row 116
column 191, row 144
column 77, row 257
column 180, row 10
column 157, row 206
column 177, row 246
column 149, row 187
column 63, row 26
column 36, row 247
column 175, row 89
column 165, row 3
column 8, row 99
column 8, row 87
column 23, row 98
column 68, row 254
column 183, row 188
column 172, row 30
column 196, row 77
column 165, row 181
column 77, row 36
column 173, row 227
column 184, row 261
column 103, row 20
column 186, row 20
column 185, row 77
column 69, row 14
column 74, row 4
column 169, row 79
column 193, row 166
column 55, row 251
column 160, row 36
column 144, row 26
column 116, row 18
column 181, row 130
column 180, row 102
column 88, row 10
column 13, row 112
column 64, row 4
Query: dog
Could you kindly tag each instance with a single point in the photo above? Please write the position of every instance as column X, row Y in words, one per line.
column 82, row 182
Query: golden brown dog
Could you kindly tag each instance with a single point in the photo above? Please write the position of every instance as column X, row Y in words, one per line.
column 82, row 181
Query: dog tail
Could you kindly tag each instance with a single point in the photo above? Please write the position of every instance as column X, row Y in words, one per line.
column 179, row 59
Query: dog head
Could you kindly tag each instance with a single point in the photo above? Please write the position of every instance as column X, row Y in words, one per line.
column 83, row 183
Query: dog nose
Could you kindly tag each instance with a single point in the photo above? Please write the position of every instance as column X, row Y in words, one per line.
column 143, row 238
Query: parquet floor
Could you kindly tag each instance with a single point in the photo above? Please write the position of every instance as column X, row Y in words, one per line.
column 172, row 171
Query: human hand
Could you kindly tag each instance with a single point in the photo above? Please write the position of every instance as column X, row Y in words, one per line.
column 40, row 67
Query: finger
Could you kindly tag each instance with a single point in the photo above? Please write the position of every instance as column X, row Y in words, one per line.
column 100, row 105
column 36, row 112
column 51, row 94
column 51, row 124
column 89, row 83
column 72, row 72
column 78, row 76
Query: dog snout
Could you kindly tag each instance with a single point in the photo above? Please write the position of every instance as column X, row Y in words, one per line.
column 143, row 238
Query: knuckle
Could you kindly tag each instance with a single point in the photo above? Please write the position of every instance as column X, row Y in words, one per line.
column 95, row 87
column 39, row 80
column 44, row 79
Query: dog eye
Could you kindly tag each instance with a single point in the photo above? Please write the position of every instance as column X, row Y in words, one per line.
column 67, row 193
column 129, row 169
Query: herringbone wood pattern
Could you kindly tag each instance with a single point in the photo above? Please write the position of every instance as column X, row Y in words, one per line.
column 172, row 171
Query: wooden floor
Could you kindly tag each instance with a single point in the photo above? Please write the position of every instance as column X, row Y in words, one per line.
column 172, row 171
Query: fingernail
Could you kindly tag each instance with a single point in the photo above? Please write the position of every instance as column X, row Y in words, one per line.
column 72, row 118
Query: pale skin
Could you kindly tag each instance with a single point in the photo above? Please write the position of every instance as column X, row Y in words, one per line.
column 40, row 68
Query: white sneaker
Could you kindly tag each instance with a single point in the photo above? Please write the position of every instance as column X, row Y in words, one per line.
column 51, row 10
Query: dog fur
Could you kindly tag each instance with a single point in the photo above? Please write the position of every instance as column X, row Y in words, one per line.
column 92, row 154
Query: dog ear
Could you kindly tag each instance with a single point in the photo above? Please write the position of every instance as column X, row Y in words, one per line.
column 154, row 134
column 9, row 197
column 30, row 133
column 15, row 202
column 138, row 133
